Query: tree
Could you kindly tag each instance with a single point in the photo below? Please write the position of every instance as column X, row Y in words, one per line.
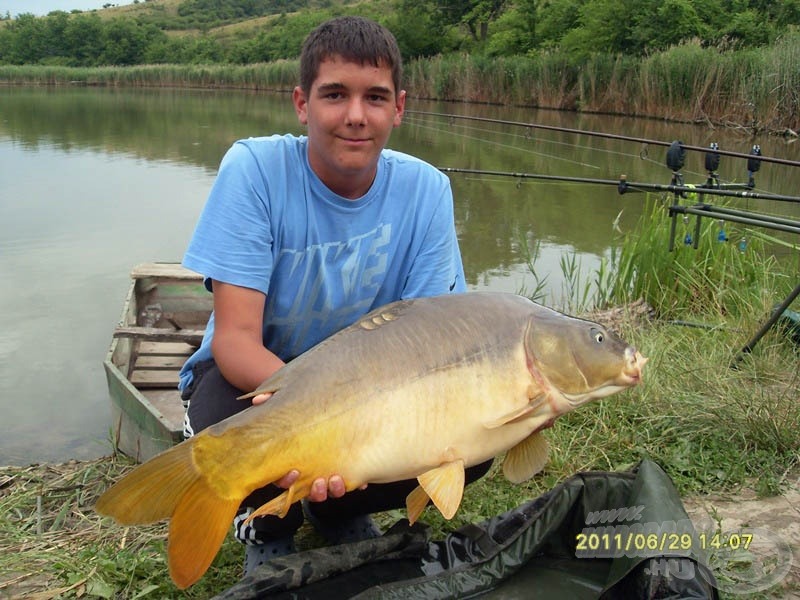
column 125, row 41
column 667, row 24
column 83, row 37
column 515, row 30
column 419, row 31
column 604, row 26
column 555, row 19
column 26, row 40
column 475, row 15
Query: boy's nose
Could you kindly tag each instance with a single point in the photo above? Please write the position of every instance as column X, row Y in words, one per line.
column 356, row 115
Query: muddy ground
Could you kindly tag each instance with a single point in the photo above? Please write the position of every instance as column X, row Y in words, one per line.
column 771, row 566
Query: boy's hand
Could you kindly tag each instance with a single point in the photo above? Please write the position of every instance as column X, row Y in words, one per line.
column 320, row 489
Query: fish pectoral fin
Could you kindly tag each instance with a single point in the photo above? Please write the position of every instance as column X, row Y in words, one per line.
column 416, row 502
column 262, row 389
column 511, row 417
column 277, row 506
column 269, row 386
column 445, row 486
column 527, row 458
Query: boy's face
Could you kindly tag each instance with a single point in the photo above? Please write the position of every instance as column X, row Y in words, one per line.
column 350, row 112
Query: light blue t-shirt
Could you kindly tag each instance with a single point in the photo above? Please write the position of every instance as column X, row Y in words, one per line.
column 322, row 260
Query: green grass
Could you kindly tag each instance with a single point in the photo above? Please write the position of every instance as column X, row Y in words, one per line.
column 712, row 427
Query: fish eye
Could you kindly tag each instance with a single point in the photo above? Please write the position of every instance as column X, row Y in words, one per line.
column 598, row 335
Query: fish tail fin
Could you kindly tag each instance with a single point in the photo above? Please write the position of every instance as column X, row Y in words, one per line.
column 169, row 486
column 196, row 531
column 152, row 491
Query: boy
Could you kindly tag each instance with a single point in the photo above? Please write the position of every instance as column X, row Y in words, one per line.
column 300, row 237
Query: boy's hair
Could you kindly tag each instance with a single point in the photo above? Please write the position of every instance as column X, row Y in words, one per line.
column 355, row 39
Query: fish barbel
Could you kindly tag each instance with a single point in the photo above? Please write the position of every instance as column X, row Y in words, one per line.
column 416, row 389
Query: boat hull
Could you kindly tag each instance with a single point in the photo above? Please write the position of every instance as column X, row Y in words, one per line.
column 162, row 323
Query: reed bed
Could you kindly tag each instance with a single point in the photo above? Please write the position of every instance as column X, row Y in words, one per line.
column 756, row 88
column 276, row 76
column 53, row 544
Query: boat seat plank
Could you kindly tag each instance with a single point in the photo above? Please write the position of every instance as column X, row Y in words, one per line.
column 159, row 362
column 154, row 379
column 161, row 334
column 166, row 348
column 164, row 271
column 168, row 403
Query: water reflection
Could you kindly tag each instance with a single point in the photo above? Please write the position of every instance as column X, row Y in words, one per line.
column 93, row 181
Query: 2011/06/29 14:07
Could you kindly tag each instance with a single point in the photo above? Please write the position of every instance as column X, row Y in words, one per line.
column 608, row 543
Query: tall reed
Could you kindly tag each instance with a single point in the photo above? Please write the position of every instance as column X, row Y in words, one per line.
column 730, row 273
column 755, row 88
column 279, row 75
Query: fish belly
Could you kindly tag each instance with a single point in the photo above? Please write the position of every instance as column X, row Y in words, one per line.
column 439, row 419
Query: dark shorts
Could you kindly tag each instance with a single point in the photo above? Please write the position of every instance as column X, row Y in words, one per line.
column 211, row 399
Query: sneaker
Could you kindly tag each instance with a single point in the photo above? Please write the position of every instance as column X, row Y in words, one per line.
column 257, row 554
column 344, row 531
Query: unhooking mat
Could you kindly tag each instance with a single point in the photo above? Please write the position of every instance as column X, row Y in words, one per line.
column 597, row 535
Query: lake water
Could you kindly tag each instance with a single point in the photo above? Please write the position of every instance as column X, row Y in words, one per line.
column 94, row 181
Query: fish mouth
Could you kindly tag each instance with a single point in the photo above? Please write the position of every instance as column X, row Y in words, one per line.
column 634, row 363
column 631, row 375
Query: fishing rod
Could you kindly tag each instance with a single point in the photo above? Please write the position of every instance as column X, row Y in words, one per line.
column 699, row 209
column 624, row 186
column 675, row 161
column 613, row 136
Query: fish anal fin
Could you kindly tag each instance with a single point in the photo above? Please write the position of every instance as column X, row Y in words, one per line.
column 527, row 458
column 416, row 502
column 196, row 532
column 445, row 486
column 277, row 506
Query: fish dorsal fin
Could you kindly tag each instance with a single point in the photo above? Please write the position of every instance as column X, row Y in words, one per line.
column 527, row 458
column 416, row 502
column 445, row 486
column 277, row 506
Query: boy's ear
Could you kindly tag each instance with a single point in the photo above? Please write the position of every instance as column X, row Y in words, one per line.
column 300, row 103
column 400, row 107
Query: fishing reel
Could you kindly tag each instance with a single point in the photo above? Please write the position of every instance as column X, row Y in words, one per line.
column 712, row 164
column 676, row 158
column 753, row 165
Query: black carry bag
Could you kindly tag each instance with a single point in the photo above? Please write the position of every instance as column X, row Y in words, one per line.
column 598, row 535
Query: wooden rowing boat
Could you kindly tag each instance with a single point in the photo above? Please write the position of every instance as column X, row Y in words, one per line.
column 162, row 322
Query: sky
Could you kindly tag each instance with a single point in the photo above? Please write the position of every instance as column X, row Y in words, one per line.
column 42, row 7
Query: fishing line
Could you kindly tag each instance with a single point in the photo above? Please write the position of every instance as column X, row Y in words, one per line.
column 514, row 136
column 499, row 144
column 616, row 136
column 527, row 137
column 642, row 155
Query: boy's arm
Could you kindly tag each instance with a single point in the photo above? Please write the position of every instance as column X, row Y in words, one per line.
column 237, row 345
